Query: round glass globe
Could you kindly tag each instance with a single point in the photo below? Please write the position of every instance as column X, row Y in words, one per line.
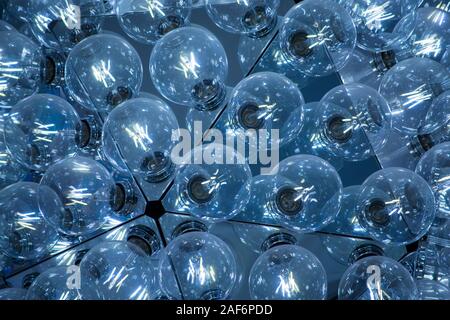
column 147, row 21
column 197, row 266
column 55, row 284
column 432, row 290
column 288, row 272
column 103, row 71
column 117, row 270
column 86, row 190
column 266, row 100
column 255, row 18
column 13, row 294
column 61, row 24
column 41, row 130
column 213, row 190
column 317, row 37
column 189, row 66
column 137, row 135
column 356, row 121
column 377, row 22
column 410, row 88
column 24, row 232
column 396, row 206
column 11, row 171
column 307, row 193
column 20, row 66
column 377, row 278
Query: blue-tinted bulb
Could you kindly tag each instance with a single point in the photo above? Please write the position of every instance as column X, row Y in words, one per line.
column 140, row 131
column 41, row 130
column 61, row 24
column 197, row 266
column 255, row 18
column 396, row 206
column 147, row 21
column 317, row 37
column 288, row 272
column 24, row 232
column 20, row 67
column 85, row 188
column 57, row 283
column 13, row 294
column 103, row 71
column 214, row 190
column 377, row 278
column 269, row 101
column 189, row 66
column 118, row 270
column 411, row 89
column 432, row 290
column 355, row 120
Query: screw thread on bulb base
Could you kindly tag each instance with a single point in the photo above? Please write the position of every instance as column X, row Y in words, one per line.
column 189, row 226
column 157, row 167
column 52, row 69
column 363, row 251
column 286, row 202
column 278, row 239
column 268, row 28
column 123, row 198
column 145, row 238
column 208, row 95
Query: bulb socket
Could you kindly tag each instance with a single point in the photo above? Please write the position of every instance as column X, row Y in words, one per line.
column 248, row 116
column 338, row 130
column 189, row 226
column 278, row 239
column 119, row 95
column 144, row 238
column 28, row 279
column 123, row 198
column 364, row 251
column 198, row 190
column 258, row 16
column 79, row 255
column 376, row 213
column 169, row 23
column 86, row 30
column 208, row 94
column 287, row 201
column 298, row 44
column 157, row 167
column 88, row 135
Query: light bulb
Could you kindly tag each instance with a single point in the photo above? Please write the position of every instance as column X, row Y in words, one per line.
column 56, row 283
column 117, row 270
column 5, row 26
column 288, row 272
column 189, row 66
column 377, row 278
column 24, row 231
column 317, row 37
column 214, row 189
column 411, row 89
column 147, row 21
column 139, row 131
column 197, row 266
column 61, row 24
column 356, row 121
column 396, row 206
column 305, row 194
column 18, row 9
column 13, row 294
column 255, row 18
column 103, row 71
column 20, row 67
column 86, row 190
column 432, row 290
column 265, row 100
column 377, row 22
column 434, row 167
column 41, row 130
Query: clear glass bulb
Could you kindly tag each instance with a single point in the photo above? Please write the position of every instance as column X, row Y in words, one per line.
column 410, row 88
column 103, row 71
column 13, row 294
column 147, row 21
column 140, row 131
column 434, row 167
column 41, row 130
column 61, row 24
column 189, row 66
column 255, row 18
column 377, row 24
column 197, row 266
column 432, row 290
column 396, row 206
column 288, row 272
column 265, row 100
column 317, row 37
column 85, row 188
column 5, row 26
column 117, row 270
column 301, row 196
column 213, row 190
column 377, row 278
column 18, row 9
column 355, row 120
column 56, row 284
column 20, row 67
column 24, row 232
